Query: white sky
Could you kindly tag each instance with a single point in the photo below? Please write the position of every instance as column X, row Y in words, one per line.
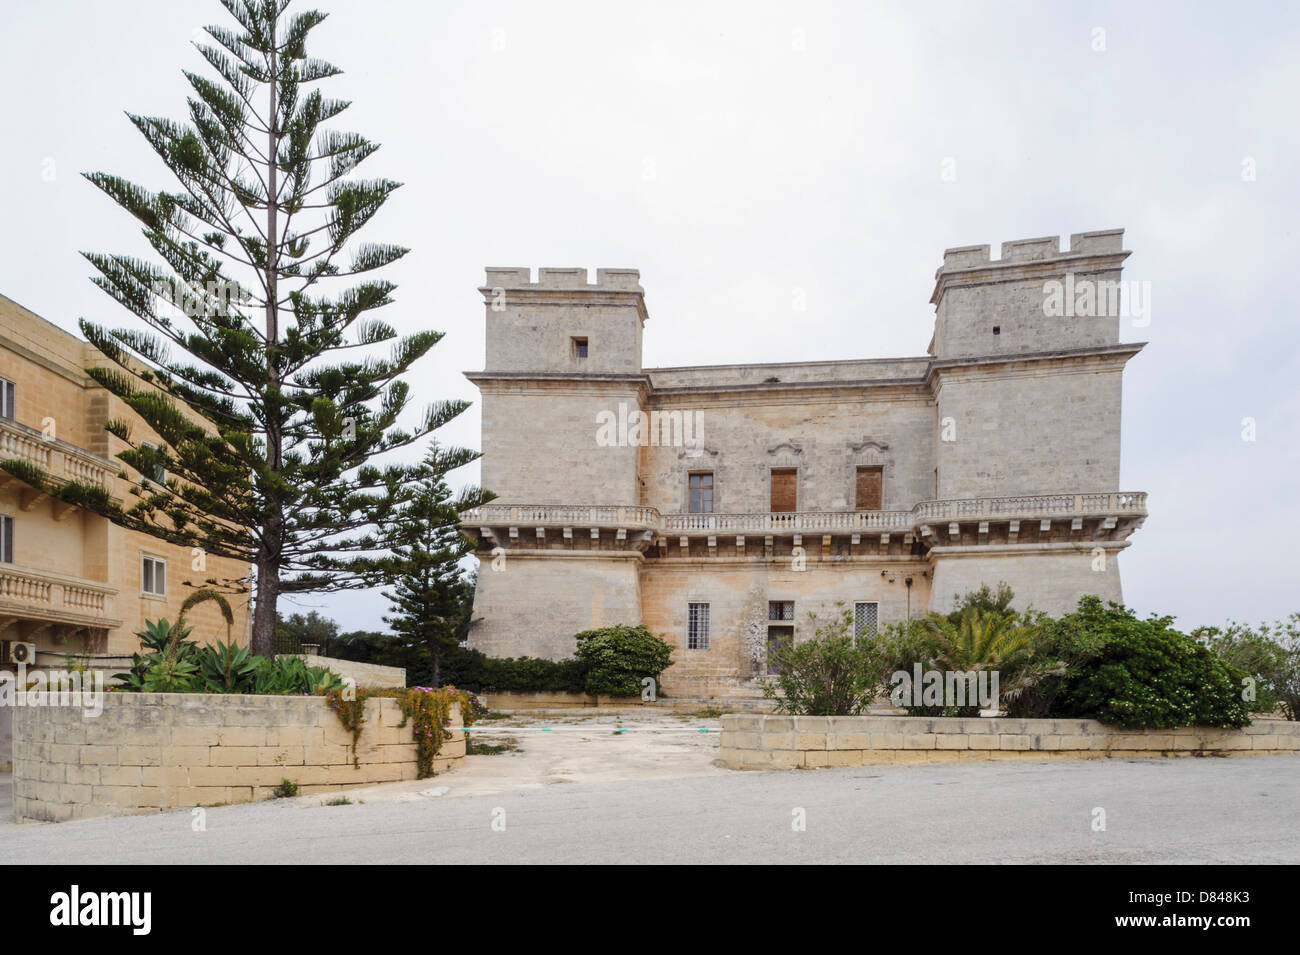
column 738, row 152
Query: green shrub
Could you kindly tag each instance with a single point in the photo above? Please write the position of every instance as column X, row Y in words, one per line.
column 618, row 659
column 1146, row 674
column 1270, row 655
column 473, row 670
column 286, row 790
column 1061, row 648
column 985, row 634
column 830, row 674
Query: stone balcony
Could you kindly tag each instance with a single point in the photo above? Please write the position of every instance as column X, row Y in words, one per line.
column 62, row 463
column 45, row 599
column 1024, row 519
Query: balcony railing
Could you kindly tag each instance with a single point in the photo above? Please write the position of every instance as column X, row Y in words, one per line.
column 61, row 461
column 1036, row 505
column 1119, row 503
column 793, row 521
column 50, row 596
column 558, row 515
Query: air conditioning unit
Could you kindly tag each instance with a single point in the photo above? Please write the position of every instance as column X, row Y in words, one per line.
column 14, row 652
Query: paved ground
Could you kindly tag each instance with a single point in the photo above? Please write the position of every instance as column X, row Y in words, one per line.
column 587, row 795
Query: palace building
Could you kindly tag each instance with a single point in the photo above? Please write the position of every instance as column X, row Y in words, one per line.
column 723, row 506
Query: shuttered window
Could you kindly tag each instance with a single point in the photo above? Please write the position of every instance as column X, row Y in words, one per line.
column 7, row 539
column 870, row 490
column 785, row 481
column 6, row 399
column 701, row 492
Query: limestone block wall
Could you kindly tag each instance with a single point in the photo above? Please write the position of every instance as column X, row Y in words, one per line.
column 790, row 742
column 534, row 605
column 530, row 325
column 151, row 751
column 823, row 436
column 1050, row 577
column 974, row 293
column 540, row 444
column 1045, row 429
column 667, row 589
column 6, row 738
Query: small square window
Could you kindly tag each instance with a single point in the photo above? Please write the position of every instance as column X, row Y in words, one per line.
column 153, row 576
column 780, row 610
column 997, row 329
column 579, row 348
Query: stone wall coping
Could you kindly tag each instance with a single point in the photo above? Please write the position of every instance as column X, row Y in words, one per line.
column 761, row 741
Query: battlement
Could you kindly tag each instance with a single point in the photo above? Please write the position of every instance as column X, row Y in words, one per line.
column 607, row 280
column 1105, row 242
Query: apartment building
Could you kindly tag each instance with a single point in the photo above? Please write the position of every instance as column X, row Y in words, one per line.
column 71, row 582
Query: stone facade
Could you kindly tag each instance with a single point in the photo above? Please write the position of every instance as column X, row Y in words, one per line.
column 74, row 582
column 151, row 751
column 882, row 485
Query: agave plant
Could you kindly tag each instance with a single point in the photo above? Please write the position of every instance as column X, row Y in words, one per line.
column 227, row 668
column 169, row 663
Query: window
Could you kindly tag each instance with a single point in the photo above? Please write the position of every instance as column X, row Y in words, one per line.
column 870, row 488
column 6, row 399
column 865, row 616
column 158, row 473
column 700, row 485
column 579, row 347
column 153, row 576
column 697, row 627
column 997, row 329
column 785, row 482
column 6, row 539
column 780, row 635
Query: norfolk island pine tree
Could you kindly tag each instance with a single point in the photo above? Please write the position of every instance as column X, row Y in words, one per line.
column 277, row 438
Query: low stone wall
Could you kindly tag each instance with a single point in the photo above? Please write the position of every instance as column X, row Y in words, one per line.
column 364, row 674
column 790, row 742
column 150, row 751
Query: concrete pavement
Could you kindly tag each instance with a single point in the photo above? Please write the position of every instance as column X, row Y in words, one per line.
column 1205, row 811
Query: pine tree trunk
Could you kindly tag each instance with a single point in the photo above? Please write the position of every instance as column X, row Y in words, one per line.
column 268, row 561
column 437, row 668
column 264, row 613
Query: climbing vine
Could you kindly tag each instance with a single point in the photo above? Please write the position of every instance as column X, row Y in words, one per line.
column 427, row 709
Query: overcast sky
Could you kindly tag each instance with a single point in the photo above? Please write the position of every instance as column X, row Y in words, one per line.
column 739, row 154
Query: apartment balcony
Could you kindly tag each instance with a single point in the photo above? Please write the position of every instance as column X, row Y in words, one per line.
column 62, row 463
column 42, row 600
column 1021, row 519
